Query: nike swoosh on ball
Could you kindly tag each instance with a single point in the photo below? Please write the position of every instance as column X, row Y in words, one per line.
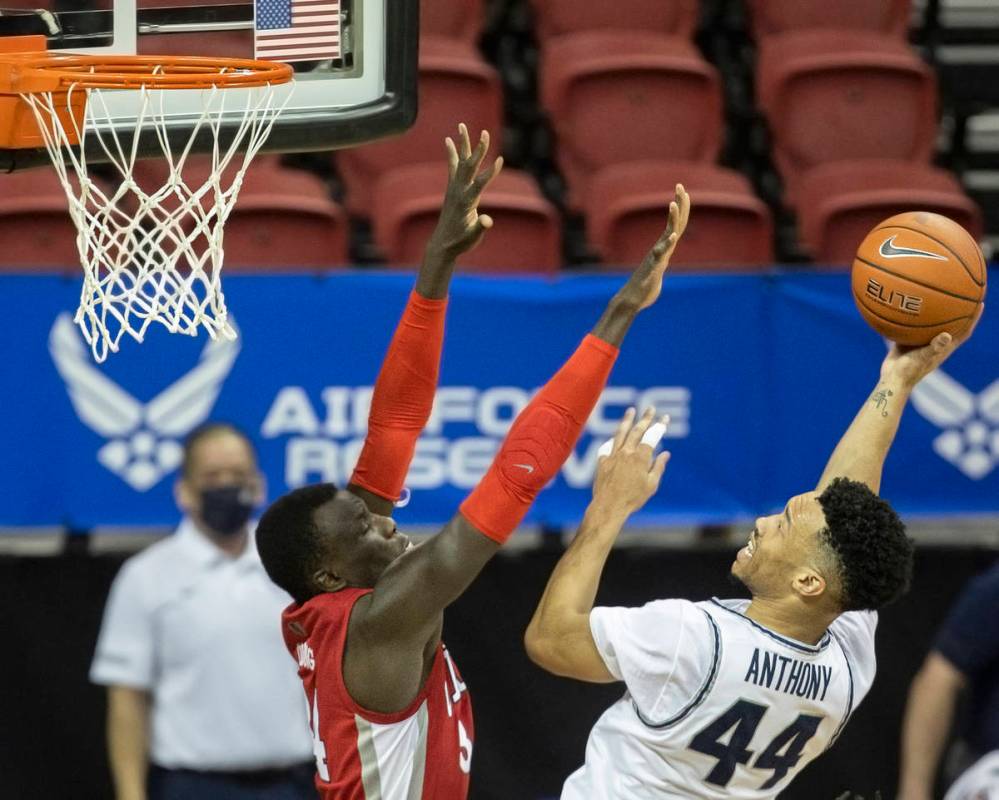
column 888, row 250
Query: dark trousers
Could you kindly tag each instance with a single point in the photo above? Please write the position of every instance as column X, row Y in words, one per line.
column 295, row 783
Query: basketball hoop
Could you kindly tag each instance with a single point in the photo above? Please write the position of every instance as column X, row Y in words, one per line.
column 147, row 256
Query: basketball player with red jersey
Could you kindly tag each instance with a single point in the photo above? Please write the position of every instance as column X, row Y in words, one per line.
column 390, row 714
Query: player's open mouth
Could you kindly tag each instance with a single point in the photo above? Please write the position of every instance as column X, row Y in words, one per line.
column 746, row 553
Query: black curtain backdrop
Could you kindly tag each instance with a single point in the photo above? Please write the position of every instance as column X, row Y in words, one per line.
column 531, row 728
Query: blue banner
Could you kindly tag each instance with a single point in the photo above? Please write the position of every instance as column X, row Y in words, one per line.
column 761, row 375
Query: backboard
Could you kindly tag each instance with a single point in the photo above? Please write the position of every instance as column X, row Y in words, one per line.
column 355, row 81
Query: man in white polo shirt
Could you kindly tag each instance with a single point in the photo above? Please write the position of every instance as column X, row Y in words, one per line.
column 203, row 701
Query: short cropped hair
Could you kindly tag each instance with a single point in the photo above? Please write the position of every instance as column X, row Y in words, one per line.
column 873, row 552
column 206, row 431
column 288, row 539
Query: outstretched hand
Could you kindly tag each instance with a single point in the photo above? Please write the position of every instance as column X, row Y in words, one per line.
column 646, row 282
column 460, row 226
column 631, row 473
column 912, row 364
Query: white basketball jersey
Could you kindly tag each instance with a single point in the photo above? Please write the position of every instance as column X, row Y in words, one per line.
column 717, row 706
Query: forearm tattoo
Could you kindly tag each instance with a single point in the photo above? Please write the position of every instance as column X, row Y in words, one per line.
column 880, row 400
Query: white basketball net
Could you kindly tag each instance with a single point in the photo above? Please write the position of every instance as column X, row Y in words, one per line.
column 152, row 256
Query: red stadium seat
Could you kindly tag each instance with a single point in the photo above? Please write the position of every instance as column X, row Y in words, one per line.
column 841, row 203
column 28, row 5
column 35, row 227
column 150, row 174
column 176, row 3
column 452, row 19
column 833, row 96
column 617, row 96
column 668, row 17
column 730, row 230
column 283, row 219
column 527, row 236
column 455, row 86
column 220, row 44
column 769, row 17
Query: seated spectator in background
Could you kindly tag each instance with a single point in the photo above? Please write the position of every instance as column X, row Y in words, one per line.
column 965, row 656
column 203, row 701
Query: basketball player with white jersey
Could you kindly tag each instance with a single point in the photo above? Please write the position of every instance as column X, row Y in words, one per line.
column 390, row 714
column 732, row 698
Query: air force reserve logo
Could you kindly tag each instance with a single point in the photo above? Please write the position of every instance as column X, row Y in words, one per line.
column 970, row 422
column 143, row 440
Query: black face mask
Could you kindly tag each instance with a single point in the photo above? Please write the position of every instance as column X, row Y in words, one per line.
column 227, row 509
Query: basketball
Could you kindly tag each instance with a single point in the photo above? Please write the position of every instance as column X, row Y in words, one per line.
column 918, row 274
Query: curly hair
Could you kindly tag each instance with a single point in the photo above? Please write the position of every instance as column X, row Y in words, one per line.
column 288, row 539
column 870, row 545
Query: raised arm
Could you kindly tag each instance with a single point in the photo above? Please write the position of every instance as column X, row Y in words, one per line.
column 558, row 637
column 460, row 226
column 406, row 605
column 404, row 391
column 860, row 454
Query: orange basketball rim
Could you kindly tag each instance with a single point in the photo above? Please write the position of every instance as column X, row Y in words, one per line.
column 27, row 68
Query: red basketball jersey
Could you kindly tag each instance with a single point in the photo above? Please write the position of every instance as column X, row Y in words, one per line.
column 423, row 751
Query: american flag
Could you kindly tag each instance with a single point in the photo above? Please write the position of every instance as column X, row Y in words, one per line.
column 297, row 30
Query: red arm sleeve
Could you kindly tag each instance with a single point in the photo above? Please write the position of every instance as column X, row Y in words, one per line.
column 539, row 441
column 403, row 398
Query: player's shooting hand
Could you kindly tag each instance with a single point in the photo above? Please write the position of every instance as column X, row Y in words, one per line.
column 631, row 474
column 646, row 282
column 912, row 364
column 460, row 226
